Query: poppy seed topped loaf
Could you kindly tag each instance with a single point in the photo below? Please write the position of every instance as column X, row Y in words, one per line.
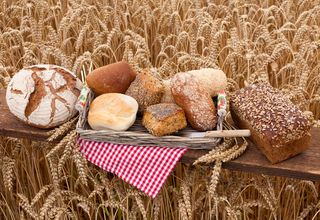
column 277, row 126
column 164, row 119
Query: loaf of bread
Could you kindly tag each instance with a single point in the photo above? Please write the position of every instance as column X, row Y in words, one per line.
column 113, row 111
column 277, row 126
column 213, row 80
column 112, row 78
column 167, row 95
column 195, row 101
column 164, row 119
column 146, row 89
column 44, row 95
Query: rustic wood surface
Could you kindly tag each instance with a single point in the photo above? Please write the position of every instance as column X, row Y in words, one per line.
column 13, row 127
column 304, row 166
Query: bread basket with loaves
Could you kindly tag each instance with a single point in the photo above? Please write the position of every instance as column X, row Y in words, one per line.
column 138, row 134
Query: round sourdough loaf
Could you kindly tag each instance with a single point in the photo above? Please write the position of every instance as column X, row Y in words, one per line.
column 112, row 78
column 113, row 111
column 44, row 95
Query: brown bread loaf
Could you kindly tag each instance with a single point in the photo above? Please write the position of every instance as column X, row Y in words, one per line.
column 112, row 78
column 195, row 101
column 164, row 119
column 146, row 89
column 277, row 126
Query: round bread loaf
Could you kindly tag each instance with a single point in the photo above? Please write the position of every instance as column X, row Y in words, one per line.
column 212, row 80
column 112, row 78
column 43, row 95
column 112, row 111
column 195, row 101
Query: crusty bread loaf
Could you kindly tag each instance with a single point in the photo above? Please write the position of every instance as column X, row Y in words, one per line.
column 146, row 89
column 164, row 119
column 167, row 95
column 43, row 95
column 113, row 111
column 213, row 80
column 277, row 126
column 112, row 78
column 195, row 101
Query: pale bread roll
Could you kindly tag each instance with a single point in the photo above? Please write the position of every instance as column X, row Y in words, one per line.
column 113, row 111
column 212, row 80
column 43, row 95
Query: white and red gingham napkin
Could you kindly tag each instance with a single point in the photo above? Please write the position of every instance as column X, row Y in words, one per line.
column 146, row 168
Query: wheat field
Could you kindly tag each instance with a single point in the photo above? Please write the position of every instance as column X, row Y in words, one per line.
column 276, row 42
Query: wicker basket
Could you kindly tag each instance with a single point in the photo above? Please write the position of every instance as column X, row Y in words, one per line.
column 138, row 135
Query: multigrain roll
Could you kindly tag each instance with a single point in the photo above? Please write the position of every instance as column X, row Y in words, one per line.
column 213, row 80
column 146, row 89
column 164, row 119
column 112, row 78
column 195, row 101
column 277, row 126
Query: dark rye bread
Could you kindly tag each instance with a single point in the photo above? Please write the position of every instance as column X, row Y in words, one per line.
column 164, row 119
column 277, row 126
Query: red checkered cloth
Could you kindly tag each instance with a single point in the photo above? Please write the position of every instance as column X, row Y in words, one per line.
column 147, row 168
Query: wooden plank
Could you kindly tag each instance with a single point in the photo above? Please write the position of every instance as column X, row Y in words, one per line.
column 304, row 166
column 12, row 127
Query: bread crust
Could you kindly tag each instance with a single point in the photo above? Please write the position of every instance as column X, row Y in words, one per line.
column 195, row 101
column 112, row 78
column 146, row 89
column 43, row 95
column 277, row 127
column 164, row 119
column 273, row 154
column 114, row 111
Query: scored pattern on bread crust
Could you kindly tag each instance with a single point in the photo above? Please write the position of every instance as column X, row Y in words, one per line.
column 270, row 113
column 43, row 95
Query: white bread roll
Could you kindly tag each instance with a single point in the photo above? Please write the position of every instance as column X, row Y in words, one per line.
column 114, row 111
column 212, row 80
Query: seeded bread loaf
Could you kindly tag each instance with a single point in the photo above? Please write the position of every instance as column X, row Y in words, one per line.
column 146, row 89
column 195, row 101
column 164, row 119
column 277, row 126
